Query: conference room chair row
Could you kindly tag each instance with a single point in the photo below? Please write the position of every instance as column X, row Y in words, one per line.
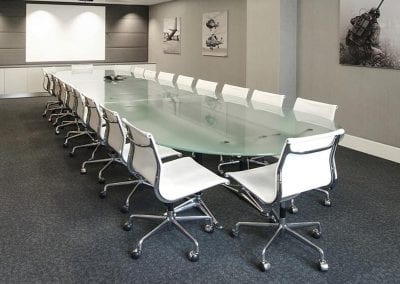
column 172, row 181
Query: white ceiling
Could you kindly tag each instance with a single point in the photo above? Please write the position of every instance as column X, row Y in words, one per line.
column 120, row 2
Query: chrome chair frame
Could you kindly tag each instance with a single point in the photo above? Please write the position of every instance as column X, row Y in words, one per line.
column 281, row 225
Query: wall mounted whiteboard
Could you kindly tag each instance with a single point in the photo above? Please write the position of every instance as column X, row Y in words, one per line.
column 64, row 33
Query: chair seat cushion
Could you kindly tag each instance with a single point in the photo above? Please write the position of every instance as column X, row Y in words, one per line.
column 166, row 152
column 184, row 177
column 259, row 181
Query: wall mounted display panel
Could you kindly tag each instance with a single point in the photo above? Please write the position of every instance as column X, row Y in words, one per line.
column 57, row 33
column 1, row 81
column 369, row 32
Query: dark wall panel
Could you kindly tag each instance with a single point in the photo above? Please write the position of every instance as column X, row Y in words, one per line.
column 138, row 54
column 126, row 33
column 126, row 40
column 12, row 32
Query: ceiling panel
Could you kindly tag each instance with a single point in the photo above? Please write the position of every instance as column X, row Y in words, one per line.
column 116, row 2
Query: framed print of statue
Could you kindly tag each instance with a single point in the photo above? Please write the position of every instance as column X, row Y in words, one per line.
column 215, row 34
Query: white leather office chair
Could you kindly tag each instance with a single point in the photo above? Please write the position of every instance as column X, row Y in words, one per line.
column 235, row 94
column 172, row 181
column 150, row 75
column 95, row 124
column 268, row 102
column 305, row 163
column 166, row 79
column 138, row 72
column 164, row 152
column 185, row 83
column 114, row 138
column 48, row 87
column 206, row 88
column 312, row 111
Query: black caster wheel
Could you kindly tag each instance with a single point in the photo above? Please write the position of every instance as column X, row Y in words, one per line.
column 234, row 233
column 208, row 228
column 193, row 256
column 293, row 209
column 265, row 266
column 49, row 120
column 316, row 234
column 71, row 154
column 43, row 115
column 327, row 202
column 323, row 265
column 83, row 171
column 65, row 145
column 102, row 180
column 136, row 253
column 125, row 209
column 103, row 194
column 57, row 132
column 127, row 226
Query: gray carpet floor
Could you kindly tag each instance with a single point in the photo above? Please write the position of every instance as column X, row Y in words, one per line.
column 55, row 228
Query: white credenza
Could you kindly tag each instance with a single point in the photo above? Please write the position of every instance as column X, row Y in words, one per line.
column 27, row 79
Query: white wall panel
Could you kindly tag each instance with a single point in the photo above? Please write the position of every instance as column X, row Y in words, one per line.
column 64, row 33
column 1, row 81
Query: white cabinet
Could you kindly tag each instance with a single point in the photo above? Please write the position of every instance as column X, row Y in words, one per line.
column 35, row 80
column 30, row 79
column 15, row 80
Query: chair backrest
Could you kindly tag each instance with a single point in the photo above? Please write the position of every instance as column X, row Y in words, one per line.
column 57, row 90
column 267, row 98
column 184, row 83
column 307, row 163
column 235, row 94
column 166, row 79
column 71, row 98
column 324, row 110
column 123, row 70
column 93, row 118
column 80, row 106
column 63, row 92
column 114, row 134
column 138, row 72
column 206, row 88
column 47, row 81
column 143, row 156
column 150, row 74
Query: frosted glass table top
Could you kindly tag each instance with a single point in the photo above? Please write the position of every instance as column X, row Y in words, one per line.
column 196, row 123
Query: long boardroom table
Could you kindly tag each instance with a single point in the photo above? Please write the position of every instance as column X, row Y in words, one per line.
column 189, row 121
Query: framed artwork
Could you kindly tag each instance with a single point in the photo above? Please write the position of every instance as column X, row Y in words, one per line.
column 172, row 35
column 215, row 34
column 369, row 32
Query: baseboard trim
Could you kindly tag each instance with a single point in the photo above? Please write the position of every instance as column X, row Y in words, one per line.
column 371, row 147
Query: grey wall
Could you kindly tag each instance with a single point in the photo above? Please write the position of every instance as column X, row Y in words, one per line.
column 271, row 46
column 368, row 98
column 126, row 33
column 231, row 69
column 12, row 32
